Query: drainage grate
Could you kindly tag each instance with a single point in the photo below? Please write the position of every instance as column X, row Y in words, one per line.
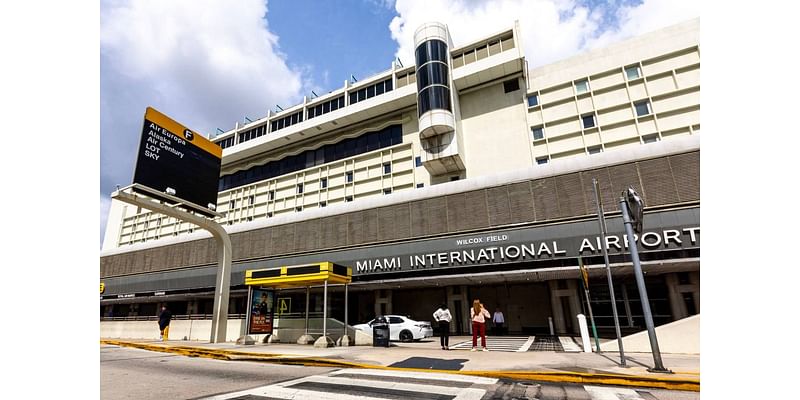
column 546, row 343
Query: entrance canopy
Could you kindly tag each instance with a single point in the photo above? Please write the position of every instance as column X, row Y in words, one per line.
column 299, row 275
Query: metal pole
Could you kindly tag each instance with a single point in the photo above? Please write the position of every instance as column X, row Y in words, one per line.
column 591, row 318
column 345, row 309
column 637, row 269
column 308, row 300
column 601, row 219
column 325, row 309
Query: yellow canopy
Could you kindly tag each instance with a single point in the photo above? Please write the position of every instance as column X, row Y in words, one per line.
column 299, row 275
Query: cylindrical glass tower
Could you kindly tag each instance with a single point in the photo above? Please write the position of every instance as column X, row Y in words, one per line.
column 434, row 100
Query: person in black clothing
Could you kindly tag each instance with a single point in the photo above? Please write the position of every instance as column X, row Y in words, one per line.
column 443, row 317
column 163, row 323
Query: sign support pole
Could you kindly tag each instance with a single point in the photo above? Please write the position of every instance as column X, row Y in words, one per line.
column 219, row 322
column 601, row 219
column 308, row 298
column 585, row 284
column 637, row 269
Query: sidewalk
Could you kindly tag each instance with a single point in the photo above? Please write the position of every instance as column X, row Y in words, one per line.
column 577, row 367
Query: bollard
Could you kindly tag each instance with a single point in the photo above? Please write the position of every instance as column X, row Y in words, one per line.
column 587, row 345
column 550, row 320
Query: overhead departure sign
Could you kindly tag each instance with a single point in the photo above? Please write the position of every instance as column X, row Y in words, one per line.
column 178, row 161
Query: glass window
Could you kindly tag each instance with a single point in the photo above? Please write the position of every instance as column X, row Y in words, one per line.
column 349, row 176
column 651, row 138
column 269, row 214
column 454, row 178
column 588, row 121
column 323, row 204
column 595, row 149
column 387, row 191
column 511, row 85
column 379, row 89
column 538, row 132
column 642, row 108
column 541, row 160
column 387, row 168
column 232, row 204
column 323, row 183
column 299, row 188
column 387, row 85
column 348, row 198
column 326, row 107
column 362, row 94
column 353, row 98
column 419, row 185
column 582, row 86
column 632, row 72
column 533, row 100
column 371, row 91
column 417, row 161
column 298, row 208
column 251, row 200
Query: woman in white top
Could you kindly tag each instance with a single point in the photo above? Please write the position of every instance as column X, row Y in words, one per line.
column 478, row 313
column 442, row 315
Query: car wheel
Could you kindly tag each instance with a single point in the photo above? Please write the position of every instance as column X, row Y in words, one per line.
column 417, row 340
column 406, row 336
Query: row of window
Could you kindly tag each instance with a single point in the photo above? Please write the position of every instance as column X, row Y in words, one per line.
column 642, row 108
column 252, row 133
column 582, row 86
column 371, row 91
column 480, row 52
column 326, row 107
column 286, row 121
column 315, row 111
column 367, row 142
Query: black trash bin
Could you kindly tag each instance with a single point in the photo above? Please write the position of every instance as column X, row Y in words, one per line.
column 380, row 332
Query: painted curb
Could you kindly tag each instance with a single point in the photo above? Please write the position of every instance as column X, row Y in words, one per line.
column 664, row 382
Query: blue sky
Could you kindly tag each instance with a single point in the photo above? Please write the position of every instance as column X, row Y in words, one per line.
column 211, row 63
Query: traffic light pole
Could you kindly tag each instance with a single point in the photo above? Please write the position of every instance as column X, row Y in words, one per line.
column 602, row 221
column 637, row 269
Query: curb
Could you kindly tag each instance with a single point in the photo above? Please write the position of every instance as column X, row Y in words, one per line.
column 669, row 383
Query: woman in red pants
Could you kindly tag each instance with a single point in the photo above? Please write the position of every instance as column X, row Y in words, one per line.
column 478, row 313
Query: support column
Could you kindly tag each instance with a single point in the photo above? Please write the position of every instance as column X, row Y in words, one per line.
column 386, row 299
column 676, row 305
column 345, row 340
column 306, row 338
column 324, row 340
column 555, row 307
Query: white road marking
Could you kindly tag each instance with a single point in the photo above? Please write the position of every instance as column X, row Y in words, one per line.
column 611, row 393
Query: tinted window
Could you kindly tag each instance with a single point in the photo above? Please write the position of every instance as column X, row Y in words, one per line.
column 395, row 320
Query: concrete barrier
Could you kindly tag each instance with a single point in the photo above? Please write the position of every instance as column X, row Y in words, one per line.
column 679, row 337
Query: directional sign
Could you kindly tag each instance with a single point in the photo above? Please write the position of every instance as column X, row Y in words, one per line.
column 284, row 305
column 176, row 160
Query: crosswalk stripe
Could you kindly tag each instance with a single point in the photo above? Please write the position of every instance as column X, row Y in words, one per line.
column 569, row 345
column 612, row 393
column 345, row 384
column 421, row 375
column 503, row 343
column 527, row 345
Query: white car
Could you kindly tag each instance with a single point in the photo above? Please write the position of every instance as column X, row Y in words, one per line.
column 401, row 328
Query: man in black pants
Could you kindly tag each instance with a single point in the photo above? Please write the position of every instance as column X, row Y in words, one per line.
column 443, row 317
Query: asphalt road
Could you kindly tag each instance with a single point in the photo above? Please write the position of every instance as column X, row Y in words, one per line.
column 127, row 373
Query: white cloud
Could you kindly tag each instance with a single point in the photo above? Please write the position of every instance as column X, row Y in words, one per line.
column 550, row 30
column 205, row 63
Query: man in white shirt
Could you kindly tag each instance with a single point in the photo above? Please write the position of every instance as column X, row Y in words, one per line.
column 498, row 320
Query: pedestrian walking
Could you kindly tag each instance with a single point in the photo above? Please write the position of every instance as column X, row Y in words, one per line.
column 498, row 320
column 163, row 323
column 478, row 314
column 443, row 317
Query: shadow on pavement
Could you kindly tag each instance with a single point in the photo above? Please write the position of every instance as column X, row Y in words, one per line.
column 431, row 363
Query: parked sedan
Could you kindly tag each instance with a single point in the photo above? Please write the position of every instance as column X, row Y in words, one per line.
column 402, row 328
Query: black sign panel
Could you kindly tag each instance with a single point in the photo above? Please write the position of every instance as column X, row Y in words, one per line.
column 176, row 160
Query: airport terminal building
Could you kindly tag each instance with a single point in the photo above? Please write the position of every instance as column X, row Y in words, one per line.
column 464, row 176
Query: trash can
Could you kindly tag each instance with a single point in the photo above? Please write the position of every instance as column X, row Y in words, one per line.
column 380, row 332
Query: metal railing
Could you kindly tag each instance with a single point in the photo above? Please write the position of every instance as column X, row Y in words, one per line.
column 180, row 317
